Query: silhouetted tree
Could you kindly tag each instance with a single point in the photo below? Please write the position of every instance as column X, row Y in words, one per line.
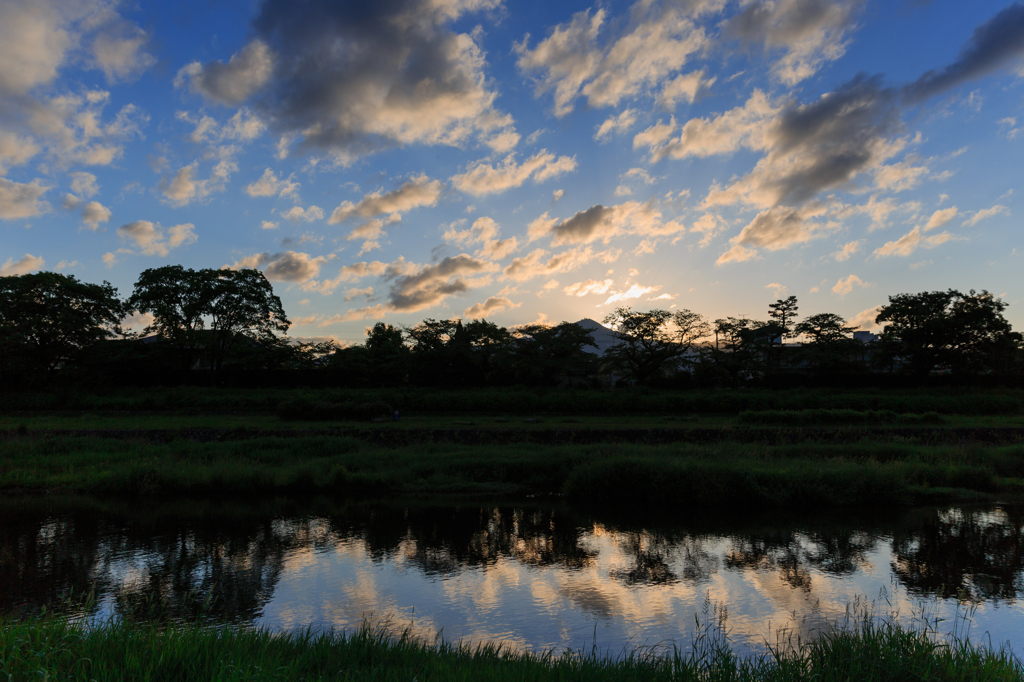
column 387, row 353
column 830, row 348
column 947, row 330
column 653, row 341
column 47, row 319
column 542, row 354
column 210, row 311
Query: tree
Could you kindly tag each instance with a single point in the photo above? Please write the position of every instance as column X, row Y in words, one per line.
column 947, row 330
column 650, row 341
column 741, row 347
column 210, row 311
column 47, row 319
column 783, row 313
column 387, row 353
column 830, row 347
column 542, row 354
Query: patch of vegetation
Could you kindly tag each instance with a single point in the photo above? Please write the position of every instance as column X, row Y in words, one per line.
column 830, row 417
column 720, row 474
column 55, row 648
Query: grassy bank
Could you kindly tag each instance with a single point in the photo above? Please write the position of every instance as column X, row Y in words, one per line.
column 522, row 401
column 52, row 648
column 727, row 473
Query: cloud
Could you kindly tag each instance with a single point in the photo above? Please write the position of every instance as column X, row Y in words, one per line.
column 246, row 72
column 533, row 264
column 687, row 86
column 84, row 184
column 556, row 195
column 151, row 240
column 634, row 291
column 576, row 60
column 846, row 285
column 878, row 211
column 269, row 185
column 986, row 213
column 419, row 191
column 119, row 52
column 847, row 251
column 22, row 266
column 994, row 44
column 347, row 273
column 940, row 218
column 774, row 229
column 811, row 32
column 708, row 226
column 184, row 187
column 616, row 124
column 268, row 225
column 588, row 287
column 484, row 231
column 287, row 266
column 482, row 179
column 908, row 243
column 489, row 307
column 865, row 320
column 813, row 147
column 297, row 213
column 365, row 292
column 94, row 213
column 15, row 150
column 22, row 200
column 353, row 78
column 777, row 289
column 604, row 222
column 431, row 284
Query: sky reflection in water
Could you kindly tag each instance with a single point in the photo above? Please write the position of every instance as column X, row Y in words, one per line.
column 542, row 577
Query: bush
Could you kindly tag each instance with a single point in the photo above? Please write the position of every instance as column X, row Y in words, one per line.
column 305, row 409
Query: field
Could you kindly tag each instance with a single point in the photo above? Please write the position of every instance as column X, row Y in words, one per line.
column 740, row 449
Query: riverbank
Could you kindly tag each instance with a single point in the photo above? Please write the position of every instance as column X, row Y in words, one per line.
column 866, row 470
column 53, row 648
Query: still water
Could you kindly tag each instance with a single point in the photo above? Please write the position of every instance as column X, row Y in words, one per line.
column 532, row 574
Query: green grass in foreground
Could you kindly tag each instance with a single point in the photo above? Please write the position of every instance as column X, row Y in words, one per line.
column 740, row 475
column 52, row 648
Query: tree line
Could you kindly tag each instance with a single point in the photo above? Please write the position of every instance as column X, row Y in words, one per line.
column 220, row 320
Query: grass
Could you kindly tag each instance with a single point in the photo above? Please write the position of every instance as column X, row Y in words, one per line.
column 733, row 474
column 522, row 401
column 862, row 649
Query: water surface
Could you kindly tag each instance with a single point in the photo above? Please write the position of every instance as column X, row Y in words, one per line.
column 533, row 575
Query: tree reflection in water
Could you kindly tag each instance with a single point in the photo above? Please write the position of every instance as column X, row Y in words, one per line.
column 970, row 555
column 178, row 556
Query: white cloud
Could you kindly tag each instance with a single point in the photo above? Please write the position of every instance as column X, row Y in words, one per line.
column 575, row 60
column 848, row 250
column 556, row 195
column 634, row 291
column 588, row 287
column 94, row 213
column 492, row 305
column 533, row 264
column 288, row 266
column 269, row 185
column 15, row 150
column 616, row 124
column 908, row 243
column 297, row 213
column 774, row 229
column 605, row 222
column 84, row 184
column 22, row 200
column 22, row 266
column 484, row 178
column 847, row 284
column 810, row 33
column 268, row 225
column 940, row 218
column 120, row 52
column 865, row 320
column 347, row 273
column 684, row 87
column 151, row 240
column 484, row 231
column 417, row 192
column 986, row 213
column 246, row 72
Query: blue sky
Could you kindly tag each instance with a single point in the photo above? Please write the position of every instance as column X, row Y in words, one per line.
column 520, row 161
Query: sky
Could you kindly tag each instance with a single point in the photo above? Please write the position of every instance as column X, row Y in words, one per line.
column 520, row 161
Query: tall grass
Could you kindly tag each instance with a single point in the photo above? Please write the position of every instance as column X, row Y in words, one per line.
column 866, row 649
column 727, row 473
column 521, row 400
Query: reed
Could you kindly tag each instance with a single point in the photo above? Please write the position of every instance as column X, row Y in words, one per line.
column 866, row 649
